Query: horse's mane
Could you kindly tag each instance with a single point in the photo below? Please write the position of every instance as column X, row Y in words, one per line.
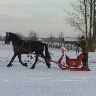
column 14, row 35
column 20, row 35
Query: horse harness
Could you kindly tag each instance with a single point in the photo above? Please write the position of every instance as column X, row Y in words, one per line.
column 26, row 45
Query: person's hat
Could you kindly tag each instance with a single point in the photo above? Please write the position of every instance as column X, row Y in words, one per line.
column 62, row 48
column 82, row 37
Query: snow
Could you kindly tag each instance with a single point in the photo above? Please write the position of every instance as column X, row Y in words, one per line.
column 21, row 81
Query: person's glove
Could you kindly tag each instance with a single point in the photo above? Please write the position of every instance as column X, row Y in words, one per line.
column 77, row 44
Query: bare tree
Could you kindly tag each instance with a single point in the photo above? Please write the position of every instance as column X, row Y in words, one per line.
column 51, row 38
column 83, row 18
column 61, row 38
column 94, row 21
column 1, row 38
column 33, row 35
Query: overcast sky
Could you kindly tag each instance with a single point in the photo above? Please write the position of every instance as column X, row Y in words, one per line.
column 43, row 16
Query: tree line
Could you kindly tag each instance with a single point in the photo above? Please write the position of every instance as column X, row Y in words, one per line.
column 2, row 38
column 33, row 35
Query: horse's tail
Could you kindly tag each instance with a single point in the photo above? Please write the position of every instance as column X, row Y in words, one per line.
column 47, row 52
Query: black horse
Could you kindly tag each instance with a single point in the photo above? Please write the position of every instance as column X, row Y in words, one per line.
column 20, row 47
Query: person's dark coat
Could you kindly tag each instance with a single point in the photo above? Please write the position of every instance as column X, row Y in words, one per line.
column 85, row 46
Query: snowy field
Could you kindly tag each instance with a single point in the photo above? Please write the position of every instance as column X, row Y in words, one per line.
column 21, row 81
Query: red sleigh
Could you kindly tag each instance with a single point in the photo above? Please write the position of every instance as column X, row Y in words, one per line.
column 72, row 64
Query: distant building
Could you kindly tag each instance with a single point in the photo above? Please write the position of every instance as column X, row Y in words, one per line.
column 71, row 40
column 66, row 40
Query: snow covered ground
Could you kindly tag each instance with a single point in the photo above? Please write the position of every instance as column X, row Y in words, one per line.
column 21, row 81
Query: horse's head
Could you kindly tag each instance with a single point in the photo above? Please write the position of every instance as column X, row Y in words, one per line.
column 11, row 37
column 7, row 38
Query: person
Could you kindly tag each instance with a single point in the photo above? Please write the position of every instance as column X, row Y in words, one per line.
column 85, row 50
column 63, row 49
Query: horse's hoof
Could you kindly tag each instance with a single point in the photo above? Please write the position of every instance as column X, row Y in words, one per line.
column 9, row 65
column 25, row 65
column 31, row 68
column 49, row 66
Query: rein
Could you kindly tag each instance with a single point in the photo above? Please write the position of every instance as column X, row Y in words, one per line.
column 57, row 62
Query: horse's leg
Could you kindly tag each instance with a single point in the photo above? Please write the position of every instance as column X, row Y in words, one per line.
column 33, row 66
column 12, row 60
column 47, row 63
column 24, row 64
